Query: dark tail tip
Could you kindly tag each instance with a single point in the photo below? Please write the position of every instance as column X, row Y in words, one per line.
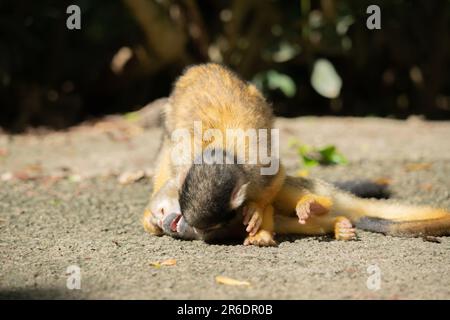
column 364, row 189
column 432, row 227
column 375, row 225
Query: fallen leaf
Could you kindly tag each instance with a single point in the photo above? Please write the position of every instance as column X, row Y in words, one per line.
column 159, row 264
column 130, row 177
column 417, row 166
column 6, row 176
column 426, row 186
column 169, row 262
column 231, row 282
column 431, row 239
column 29, row 172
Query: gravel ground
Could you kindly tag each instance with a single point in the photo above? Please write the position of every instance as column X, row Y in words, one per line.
column 61, row 204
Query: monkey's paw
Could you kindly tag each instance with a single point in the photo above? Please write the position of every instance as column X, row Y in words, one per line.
column 150, row 223
column 311, row 205
column 343, row 229
column 262, row 238
column 253, row 217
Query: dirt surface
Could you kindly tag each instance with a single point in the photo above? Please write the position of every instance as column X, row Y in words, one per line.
column 61, row 204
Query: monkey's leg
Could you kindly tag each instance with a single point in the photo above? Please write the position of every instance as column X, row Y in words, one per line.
column 314, row 227
column 264, row 237
column 343, row 229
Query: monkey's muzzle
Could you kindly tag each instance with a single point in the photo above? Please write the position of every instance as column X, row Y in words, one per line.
column 174, row 222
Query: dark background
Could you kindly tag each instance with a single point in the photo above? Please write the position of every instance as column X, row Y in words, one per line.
column 55, row 77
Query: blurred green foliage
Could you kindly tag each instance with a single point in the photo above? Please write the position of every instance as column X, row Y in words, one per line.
column 309, row 57
column 312, row 156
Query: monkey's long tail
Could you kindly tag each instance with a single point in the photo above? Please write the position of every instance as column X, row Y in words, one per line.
column 387, row 217
column 364, row 188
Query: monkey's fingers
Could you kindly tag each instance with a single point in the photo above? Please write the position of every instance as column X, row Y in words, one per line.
column 303, row 211
column 343, row 229
column 254, row 224
column 262, row 238
column 247, row 215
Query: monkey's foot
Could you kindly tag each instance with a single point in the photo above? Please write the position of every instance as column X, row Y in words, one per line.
column 150, row 224
column 311, row 204
column 262, row 238
column 253, row 217
column 343, row 229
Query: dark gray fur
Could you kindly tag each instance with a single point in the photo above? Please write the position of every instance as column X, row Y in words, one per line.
column 215, row 183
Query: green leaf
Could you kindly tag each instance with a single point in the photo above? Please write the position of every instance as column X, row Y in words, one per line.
column 309, row 162
column 329, row 155
column 281, row 81
column 325, row 80
column 273, row 80
column 311, row 156
column 338, row 159
column 304, row 149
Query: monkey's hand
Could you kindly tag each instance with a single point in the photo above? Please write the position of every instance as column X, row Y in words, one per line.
column 253, row 217
column 157, row 211
column 312, row 204
column 150, row 223
column 263, row 237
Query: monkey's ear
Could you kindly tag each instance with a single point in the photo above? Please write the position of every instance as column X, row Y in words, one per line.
column 239, row 195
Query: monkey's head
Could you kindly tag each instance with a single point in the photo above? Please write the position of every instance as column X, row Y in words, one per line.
column 211, row 196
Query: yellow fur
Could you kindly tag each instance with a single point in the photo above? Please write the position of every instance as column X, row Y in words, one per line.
column 218, row 99
column 406, row 219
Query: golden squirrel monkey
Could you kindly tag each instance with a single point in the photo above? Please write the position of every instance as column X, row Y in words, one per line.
column 203, row 198
column 210, row 101
column 346, row 210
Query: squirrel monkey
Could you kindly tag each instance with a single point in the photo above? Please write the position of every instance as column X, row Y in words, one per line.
column 209, row 196
column 210, row 101
column 346, row 211
column 216, row 100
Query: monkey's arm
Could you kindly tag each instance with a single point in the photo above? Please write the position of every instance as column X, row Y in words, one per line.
column 258, row 213
column 162, row 175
